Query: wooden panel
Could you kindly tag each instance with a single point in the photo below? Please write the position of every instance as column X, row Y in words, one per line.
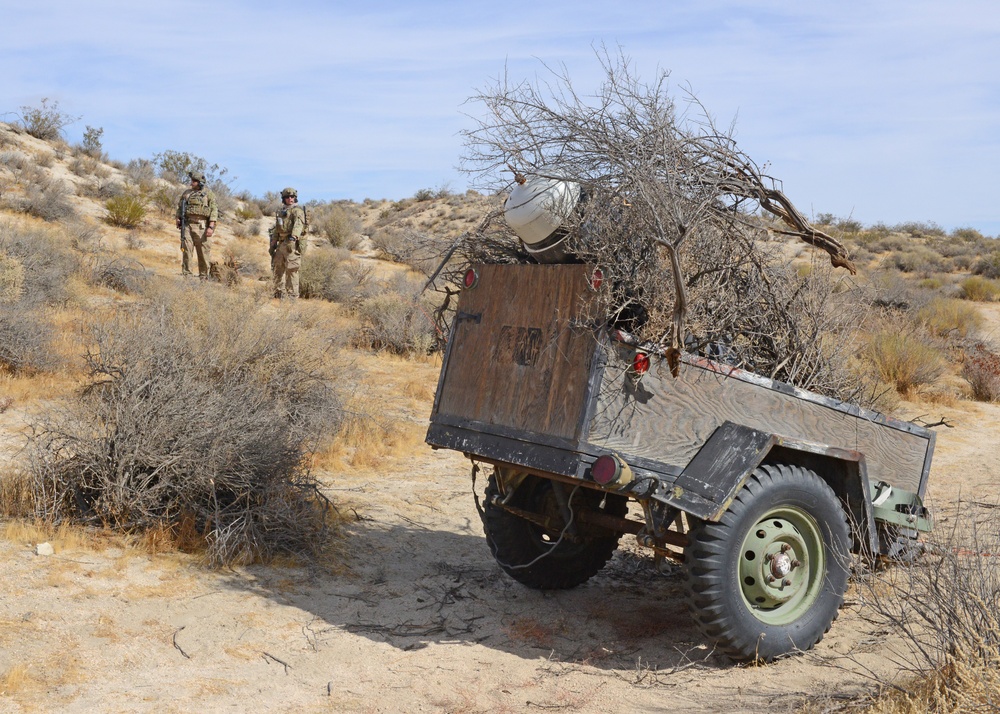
column 669, row 419
column 521, row 349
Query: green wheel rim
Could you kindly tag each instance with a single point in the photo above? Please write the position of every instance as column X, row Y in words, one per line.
column 782, row 565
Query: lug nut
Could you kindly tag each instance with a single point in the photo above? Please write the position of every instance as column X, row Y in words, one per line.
column 785, row 547
column 796, row 564
column 786, row 582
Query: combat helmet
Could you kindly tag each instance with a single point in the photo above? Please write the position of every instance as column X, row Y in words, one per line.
column 289, row 191
column 197, row 176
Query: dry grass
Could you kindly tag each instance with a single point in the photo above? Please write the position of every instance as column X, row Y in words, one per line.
column 17, row 679
column 944, row 610
column 903, row 360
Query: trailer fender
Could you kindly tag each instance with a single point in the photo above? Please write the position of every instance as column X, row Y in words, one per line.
column 707, row 485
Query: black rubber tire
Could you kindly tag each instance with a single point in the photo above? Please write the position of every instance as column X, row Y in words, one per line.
column 721, row 558
column 516, row 542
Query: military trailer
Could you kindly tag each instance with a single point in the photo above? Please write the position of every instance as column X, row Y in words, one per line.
column 764, row 493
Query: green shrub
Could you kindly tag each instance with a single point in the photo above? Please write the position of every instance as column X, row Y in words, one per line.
column 903, row 360
column 950, row 318
column 125, row 211
column 91, row 144
column 979, row 289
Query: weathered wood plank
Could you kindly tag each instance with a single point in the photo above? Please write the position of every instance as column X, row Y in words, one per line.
column 669, row 419
column 522, row 350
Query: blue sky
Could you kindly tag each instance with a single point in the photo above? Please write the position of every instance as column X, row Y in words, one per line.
column 884, row 111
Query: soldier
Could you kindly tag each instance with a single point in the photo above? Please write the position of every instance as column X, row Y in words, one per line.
column 197, row 212
column 289, row 244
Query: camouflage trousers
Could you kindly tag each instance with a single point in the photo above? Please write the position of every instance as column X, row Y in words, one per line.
column 194, row 234
column 287, row 261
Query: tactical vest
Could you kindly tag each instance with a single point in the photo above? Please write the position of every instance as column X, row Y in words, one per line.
column 284, row 220
column 197, row 204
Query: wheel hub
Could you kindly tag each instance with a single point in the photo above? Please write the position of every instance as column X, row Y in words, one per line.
column 778, row 565
column 781, row 565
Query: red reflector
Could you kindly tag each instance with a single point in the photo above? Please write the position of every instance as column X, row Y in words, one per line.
column 471, row 278
column 596, row 279
column 641, row 363
column 605, row 470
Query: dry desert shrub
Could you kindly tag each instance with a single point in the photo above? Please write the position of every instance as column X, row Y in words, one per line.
column 981, row 369
column 987, row 265
column 979, row 289
column 26, row 337
column 949, row 318
column 904, row 360
column 199, row 417
column 944, row 612
column 397, row 320
column 43, row 198
column 11, row 279
column 47, row 260
column 333, row 274
column 45, row 121
column 122, row 275
column 338, row 224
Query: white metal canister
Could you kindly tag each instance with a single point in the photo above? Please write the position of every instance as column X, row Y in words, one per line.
column 536, row 208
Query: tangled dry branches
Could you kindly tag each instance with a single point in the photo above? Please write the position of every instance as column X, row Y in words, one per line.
column 675, row 213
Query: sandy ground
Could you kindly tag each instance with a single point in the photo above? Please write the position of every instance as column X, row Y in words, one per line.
column 420, row 620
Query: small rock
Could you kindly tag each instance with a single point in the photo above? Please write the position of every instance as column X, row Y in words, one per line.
column 44, row 549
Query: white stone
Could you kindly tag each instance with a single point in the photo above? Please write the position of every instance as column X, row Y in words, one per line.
column 44, row 549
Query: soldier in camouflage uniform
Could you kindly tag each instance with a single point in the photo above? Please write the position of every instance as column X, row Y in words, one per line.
column 200, row 212
column 289, row 244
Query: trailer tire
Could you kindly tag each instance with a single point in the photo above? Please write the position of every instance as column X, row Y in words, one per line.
column 755, row 600
column 536, row 556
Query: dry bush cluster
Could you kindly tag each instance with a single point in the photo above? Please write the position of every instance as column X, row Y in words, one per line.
column 45, row 121
column 35, row 270
column 671, row 212
column 122, row 275
column 903, row 360
column 195, row 422
column 338, row 223
column 396, row 319
column 42, row 197
column 944, row 611
column 332, row 274
column 981, row 368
